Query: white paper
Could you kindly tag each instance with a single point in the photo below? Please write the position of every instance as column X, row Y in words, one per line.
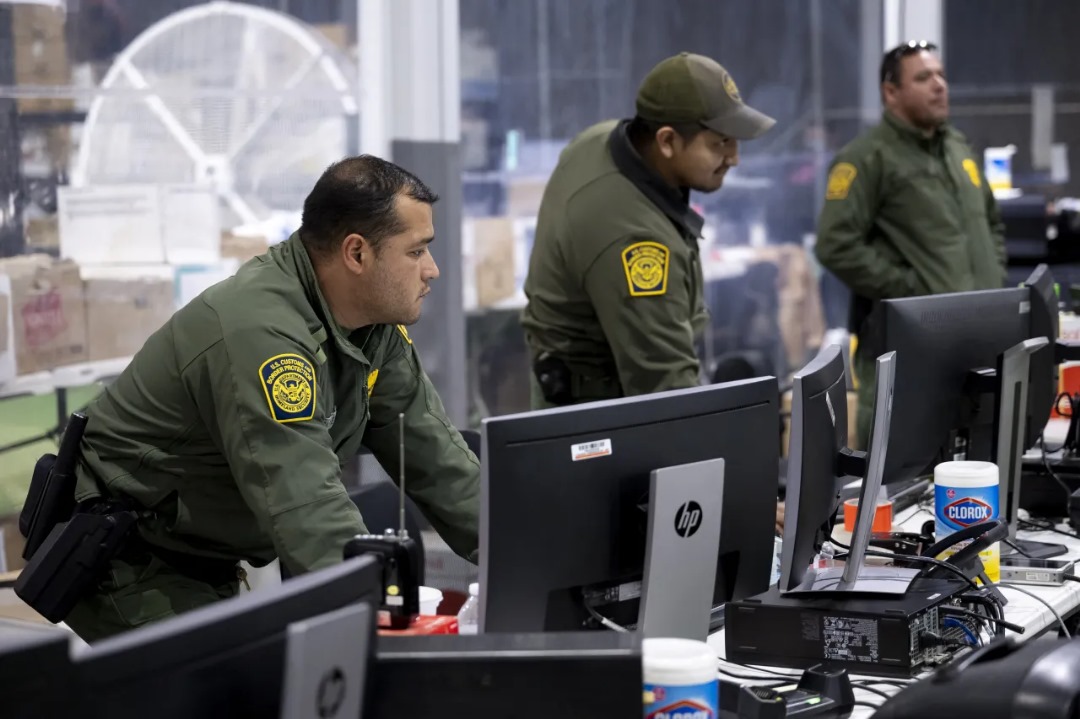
column 103, row 224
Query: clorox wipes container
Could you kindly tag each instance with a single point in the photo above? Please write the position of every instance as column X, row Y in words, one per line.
column 681, row 679
column 965, row 494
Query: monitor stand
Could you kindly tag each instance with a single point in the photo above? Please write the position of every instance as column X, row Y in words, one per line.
column 855, row 577
column 681, row 547
column 326, row 661
column 1015, row 371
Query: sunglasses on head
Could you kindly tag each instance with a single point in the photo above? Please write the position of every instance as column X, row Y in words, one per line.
column 891, row 61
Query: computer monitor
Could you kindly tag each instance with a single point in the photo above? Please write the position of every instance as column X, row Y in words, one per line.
column 1043, row 381
column 228, row 659
column 491, row 676
column 564, row 500
column 972, row 367
column 942, row 406
column 819, row 466
column 35, row 671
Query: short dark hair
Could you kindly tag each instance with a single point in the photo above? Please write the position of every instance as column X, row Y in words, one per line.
column 357, row 195
column 890, row 63
column 642, row 132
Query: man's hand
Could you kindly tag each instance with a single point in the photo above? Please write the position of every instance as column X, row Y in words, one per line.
column 779, row 517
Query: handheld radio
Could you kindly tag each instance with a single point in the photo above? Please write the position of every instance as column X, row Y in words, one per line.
column 398, row 554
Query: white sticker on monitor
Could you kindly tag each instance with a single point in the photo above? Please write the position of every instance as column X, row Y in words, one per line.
column 1025, row 307
column 590, row 450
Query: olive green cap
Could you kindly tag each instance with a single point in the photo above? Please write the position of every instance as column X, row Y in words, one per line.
column 691, row 88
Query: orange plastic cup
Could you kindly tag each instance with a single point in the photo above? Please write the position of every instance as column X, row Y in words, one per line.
column 882, row 516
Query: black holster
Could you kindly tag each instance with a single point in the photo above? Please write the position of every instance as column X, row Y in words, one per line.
column 865, row 321
column 553, row 376
column 68, row 547
column 73, row 558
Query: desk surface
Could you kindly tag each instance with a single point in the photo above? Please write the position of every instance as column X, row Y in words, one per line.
column 1021, row 609
column 75, row 375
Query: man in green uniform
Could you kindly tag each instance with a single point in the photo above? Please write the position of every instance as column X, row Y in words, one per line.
column 615, row 288
column 230, row 427
column 907, row 211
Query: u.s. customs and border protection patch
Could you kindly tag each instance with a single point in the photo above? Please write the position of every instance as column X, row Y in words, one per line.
column 289, row 383
column 840, row 179
column 646, row 266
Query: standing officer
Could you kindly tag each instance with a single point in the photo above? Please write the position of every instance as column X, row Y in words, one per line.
column 907, row 210
column 615, row 288
column 230, row 426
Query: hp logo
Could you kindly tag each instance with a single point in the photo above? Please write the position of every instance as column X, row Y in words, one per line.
column 688, row 519
column 331, row 693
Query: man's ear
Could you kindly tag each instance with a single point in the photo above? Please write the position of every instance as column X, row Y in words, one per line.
column 665, row 141
column 356, row 253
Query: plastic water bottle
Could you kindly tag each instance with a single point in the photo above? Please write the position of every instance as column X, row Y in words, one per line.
column 469, row 616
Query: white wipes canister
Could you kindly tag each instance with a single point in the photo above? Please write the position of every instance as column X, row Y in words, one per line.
column 681, row 679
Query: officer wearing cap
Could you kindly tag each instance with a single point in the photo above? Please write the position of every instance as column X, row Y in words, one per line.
column 615, row 288
column 907, row 211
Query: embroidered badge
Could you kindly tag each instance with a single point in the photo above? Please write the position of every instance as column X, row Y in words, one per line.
column 840, row 179
column 646, row 266
column 731, row 88
column 289, row 383
column 972, row 171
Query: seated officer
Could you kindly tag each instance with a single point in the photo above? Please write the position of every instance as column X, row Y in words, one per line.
column 230, row 426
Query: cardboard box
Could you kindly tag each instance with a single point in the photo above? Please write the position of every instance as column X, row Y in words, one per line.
column 523, row 195
column 43, row 233
column 48, row 312
column 493, row 248
column 5, row 319
column 121, row 313
column 7, row 332
column 41, row 57
column 242, row 248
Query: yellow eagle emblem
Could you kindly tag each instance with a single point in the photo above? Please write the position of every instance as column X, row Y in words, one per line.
column 288, row 380
column 646, row 267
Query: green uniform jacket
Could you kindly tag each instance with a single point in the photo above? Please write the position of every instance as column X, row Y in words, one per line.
column 909, row 215
column 615, row 287
column 906, row 215
column 233, row 421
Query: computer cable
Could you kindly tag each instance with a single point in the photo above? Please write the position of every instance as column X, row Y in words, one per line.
column 860, row 685
column 749, row 678
column 760, row 669
column 981, row 617
column 972, row 634
column 1071, row 578
column 1036, row 597
column 604, row 620
column 1032, row 524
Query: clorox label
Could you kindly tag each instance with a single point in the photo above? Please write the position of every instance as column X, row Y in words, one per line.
column 683, row 710
column 968, row 511
column 700, row 701
column 957, row 508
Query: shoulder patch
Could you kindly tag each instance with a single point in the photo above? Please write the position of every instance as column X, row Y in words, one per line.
column 840, row 179
column 646, row 266
column 972, row 171
column 404, row 333
column 289, row 383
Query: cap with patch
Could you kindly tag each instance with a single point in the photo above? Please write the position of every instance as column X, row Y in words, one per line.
column 692, row 88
